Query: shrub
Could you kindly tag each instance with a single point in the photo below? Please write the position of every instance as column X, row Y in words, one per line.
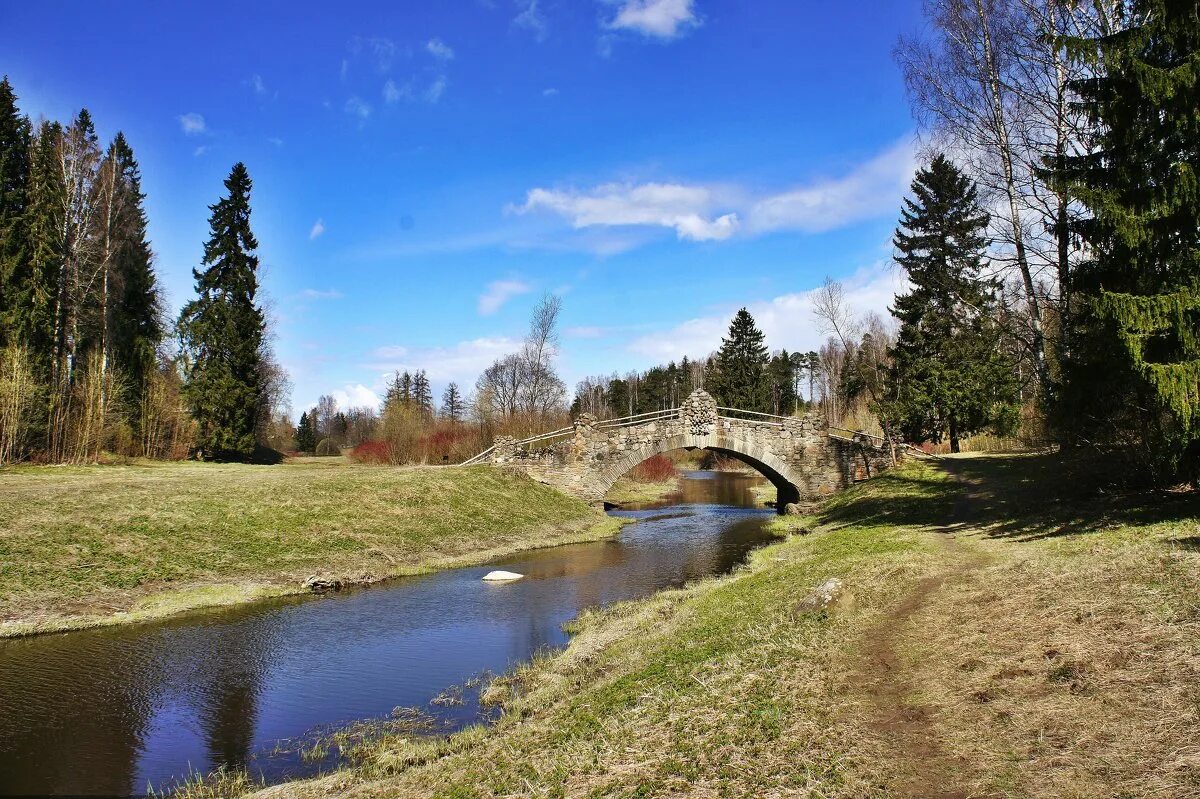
column 656, row 469
column 375, row 452
column 328, row 447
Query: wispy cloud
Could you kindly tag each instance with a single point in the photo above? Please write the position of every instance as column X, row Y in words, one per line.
column 255, row 82
column 379, row 50
column 786, row 320
column 499, row 292
column 530, row 18
column 394, row 94
column 275, row 140
column 436, row 89
column 698, row 212
column 585, row 331
column 192, row 124
column 686, row 209
column 357, row 107
column 660, row 19
column 317, row 229
column 461, row 362
column 550, row 92
column 201, row 150
column 439, row 49
column 319, row 294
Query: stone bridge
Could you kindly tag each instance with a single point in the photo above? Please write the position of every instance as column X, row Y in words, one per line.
column 800, row 455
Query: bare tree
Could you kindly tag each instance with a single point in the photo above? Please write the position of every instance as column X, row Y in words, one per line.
column 542, row 390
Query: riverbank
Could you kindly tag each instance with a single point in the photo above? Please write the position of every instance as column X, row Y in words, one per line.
column 90, row 546
column 627, row 491
column 1001, row 630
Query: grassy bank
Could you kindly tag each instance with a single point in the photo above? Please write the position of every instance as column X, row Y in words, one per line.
column 81, row 546
column 627, row 491
column 1002, row 631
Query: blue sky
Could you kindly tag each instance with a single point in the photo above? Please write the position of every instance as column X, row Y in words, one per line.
column 424, row 170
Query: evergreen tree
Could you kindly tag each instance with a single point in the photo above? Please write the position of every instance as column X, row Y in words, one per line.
column 137, row 327
column 222, row 329
column 949, row 377
column 34, row 287
column 15, row 156
column 783, row 384
column 422, row 393
column 452, row 403
column 739, row 379
column 1134, row 370
column 306, row 436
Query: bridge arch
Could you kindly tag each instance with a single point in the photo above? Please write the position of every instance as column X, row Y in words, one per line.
column 757, row 457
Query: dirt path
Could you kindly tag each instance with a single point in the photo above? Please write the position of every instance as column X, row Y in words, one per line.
column 919, row 766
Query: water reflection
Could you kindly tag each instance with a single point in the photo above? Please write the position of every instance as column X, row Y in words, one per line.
column 114, row 711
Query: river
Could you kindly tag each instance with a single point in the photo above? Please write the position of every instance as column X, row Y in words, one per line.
column 120, row 710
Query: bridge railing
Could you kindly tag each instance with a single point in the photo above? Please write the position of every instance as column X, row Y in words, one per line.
column 758, row 417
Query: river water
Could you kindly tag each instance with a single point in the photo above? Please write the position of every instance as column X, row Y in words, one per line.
column 118, row 711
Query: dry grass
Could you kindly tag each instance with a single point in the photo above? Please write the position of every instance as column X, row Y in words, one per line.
column 85, row 545
column 1036, row 639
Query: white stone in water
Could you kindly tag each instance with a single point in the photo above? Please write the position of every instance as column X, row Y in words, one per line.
column 502, row 576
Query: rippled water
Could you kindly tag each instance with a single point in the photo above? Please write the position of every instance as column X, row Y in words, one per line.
column 118, row 710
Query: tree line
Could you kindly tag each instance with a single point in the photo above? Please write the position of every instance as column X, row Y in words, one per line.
column 85, row 364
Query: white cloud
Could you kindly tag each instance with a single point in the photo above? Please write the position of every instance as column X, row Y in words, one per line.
column 278, row 142
column 716, row 212
column 585, row 331
column 192, row 124
column 356, row 395
column 687, row 209
column 381, row 51
column 201, row 150
column 317, row 229
column 531, row 19
column 786, row 320
column 662, row 19
column 439, row 50
column 393, row 94
column 436, row 89
column 551, row 92
column 499, row 292
column 255, row 82
column 356, row 107
column 319, row 294
column 871, row 189
column 461, row 362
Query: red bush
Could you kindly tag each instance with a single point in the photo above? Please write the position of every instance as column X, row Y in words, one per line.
column 656, row 469
column 372, row 452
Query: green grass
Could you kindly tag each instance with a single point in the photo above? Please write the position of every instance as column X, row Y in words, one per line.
column 1052, row 654
column 79, row 544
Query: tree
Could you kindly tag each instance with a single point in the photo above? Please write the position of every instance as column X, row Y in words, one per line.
column 541, row 389
column 132, row 303
column 1135, row 374
column 740, row 377
column 949, row 377
column 35, row 292
column 452, row 403
column 306, row 435
column 422, row 394
column 222, row 329
column 15, row 157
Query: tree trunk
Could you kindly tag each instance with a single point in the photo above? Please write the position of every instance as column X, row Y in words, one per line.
column 954, row 443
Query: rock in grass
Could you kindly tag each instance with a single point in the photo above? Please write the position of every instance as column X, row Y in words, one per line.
column 827, row 593
column 502, row 576
column 320, row 583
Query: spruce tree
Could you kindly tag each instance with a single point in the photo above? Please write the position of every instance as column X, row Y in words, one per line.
column 306, row 436
column 15, row 156
column 452, row 403
column 137, row 326
column 422, row 393
column 948, row 378
column 1134, row 373
column 739, row 379
column 222, row 330
column 34, row 287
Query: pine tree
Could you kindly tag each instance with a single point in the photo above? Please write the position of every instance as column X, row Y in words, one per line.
column 1135, row 367
column 949, row 377
column 740, row 378
column 222, row 329
column 15, row 155
column 306, row 437
column 452, row 403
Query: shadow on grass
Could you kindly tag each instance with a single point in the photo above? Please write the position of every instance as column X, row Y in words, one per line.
column 1023, row 497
